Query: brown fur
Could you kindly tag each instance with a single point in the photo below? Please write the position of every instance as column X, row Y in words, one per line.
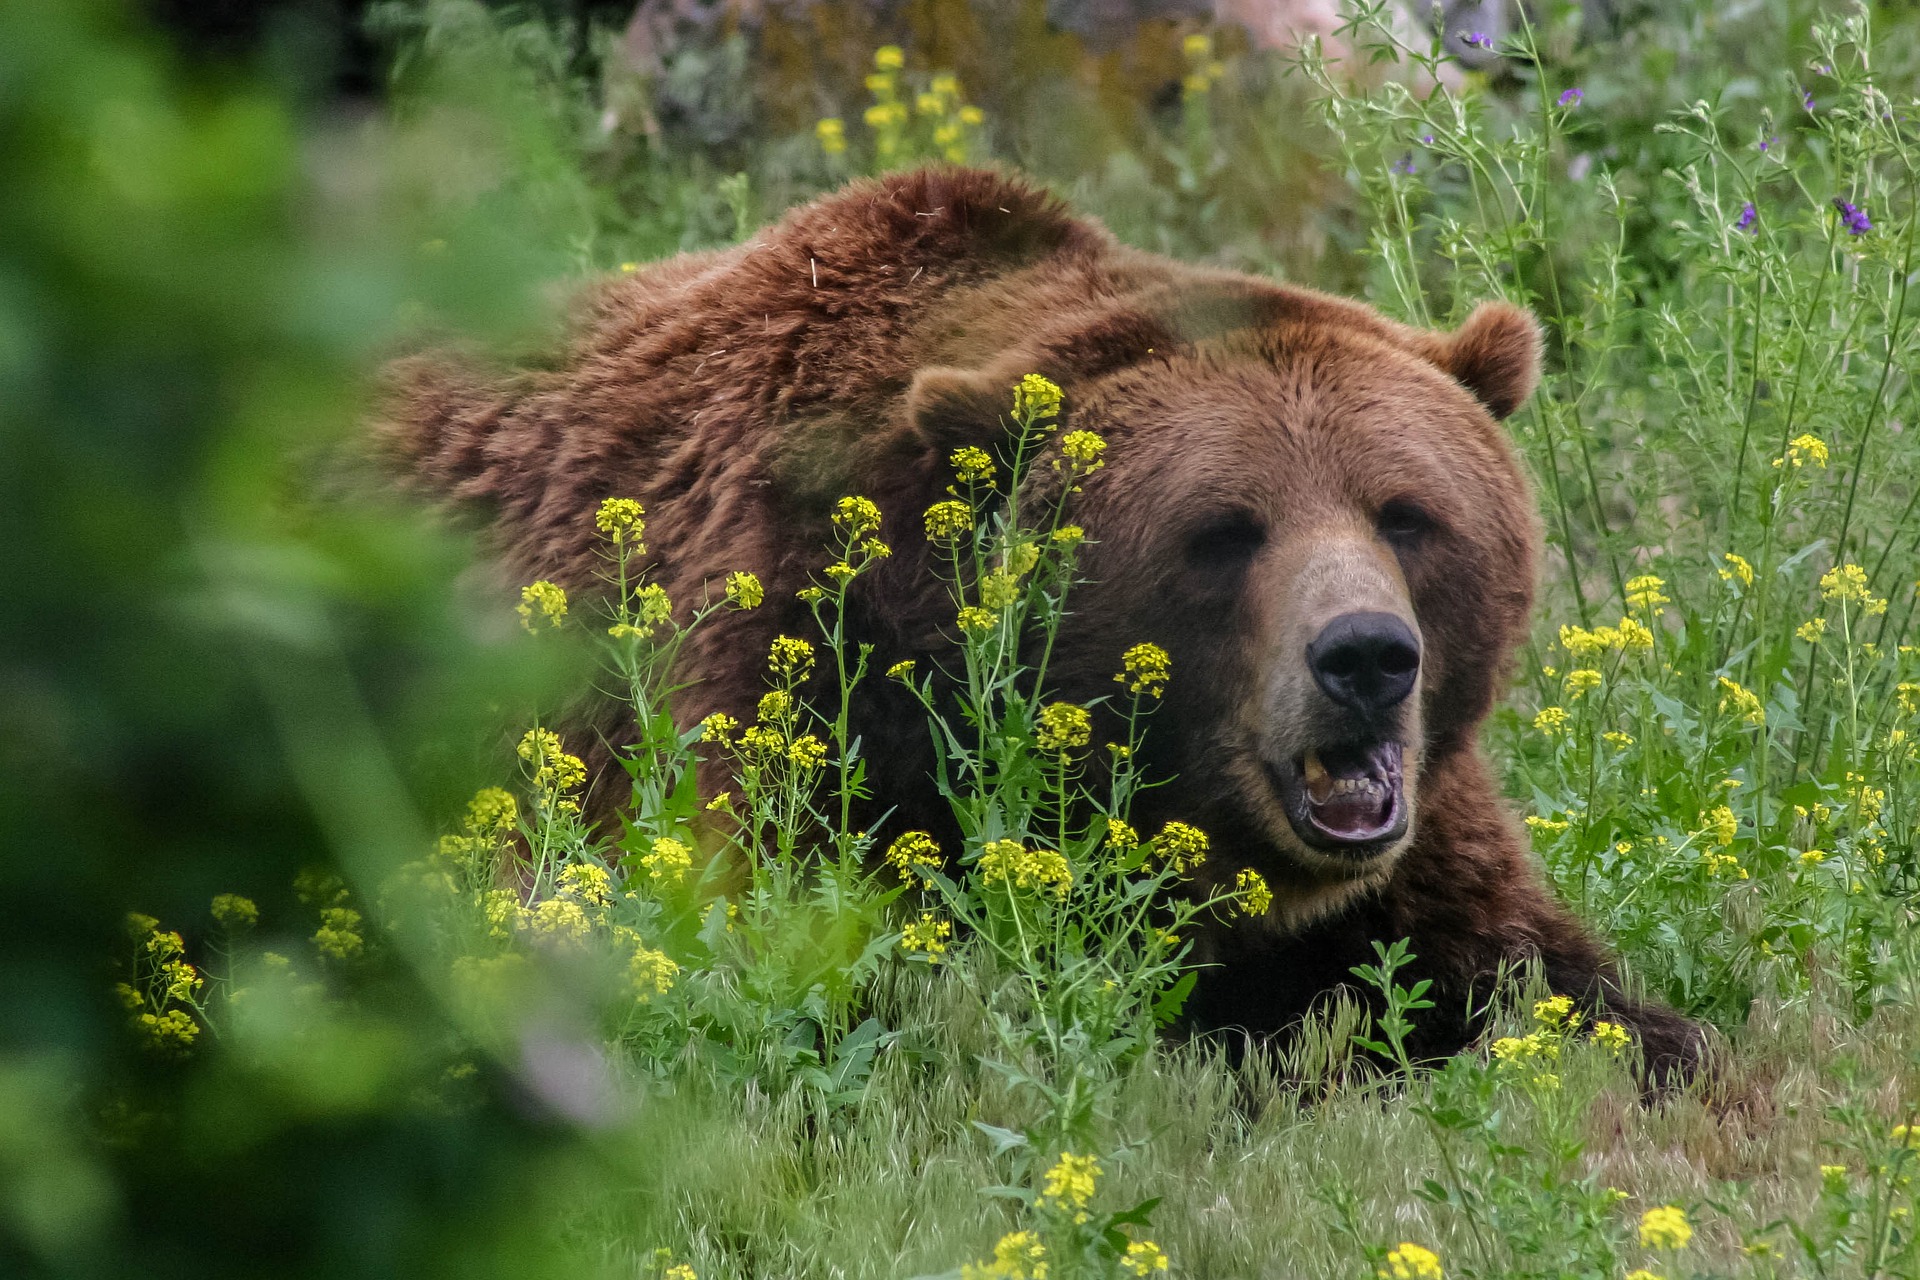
column 851, row 347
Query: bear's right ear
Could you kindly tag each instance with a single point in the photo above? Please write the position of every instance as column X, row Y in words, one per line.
column 950, row 408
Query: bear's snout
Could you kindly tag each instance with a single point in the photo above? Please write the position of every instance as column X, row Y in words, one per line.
column 1366, row 661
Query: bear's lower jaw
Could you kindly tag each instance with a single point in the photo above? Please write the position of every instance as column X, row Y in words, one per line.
column 1348, row 800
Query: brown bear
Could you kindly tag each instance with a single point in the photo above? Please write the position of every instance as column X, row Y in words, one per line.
column 1313, row 509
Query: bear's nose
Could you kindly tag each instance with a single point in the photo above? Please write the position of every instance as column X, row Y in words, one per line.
column 1366, row 661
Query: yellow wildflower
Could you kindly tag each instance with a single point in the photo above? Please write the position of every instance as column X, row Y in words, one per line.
column 972, row 116
column 1617, row 740
column 807, row 752
column 1582, row 681
column 972, row 465
column 841, row 571
column 553, row 769
column 170, row 1034
column 1409, row 1261
column 561, row 921
column 927, row 935
column 1145, row 668
column 339, row 934
column 1084, row 450
column 1555, row 1012
column 1070, row 1183
column 1633, row 635
column 1184, row 847
column 1742, row 702
column 719, row 727
column 1143, row 1258
column 888, row 57
column 1643, row 593
column 1018, row 1256
column 975, row 620
column 1665, row 1227
column 491, row 811
column 1253, row 896
column 1811, row 630
column 832, row 133
column 586, row 882
column 790, row 658
column 1844, row 582
column 914, row 853
column 1812, row 858
column 234, row 911
column 776, row 706
column 857, row 516
column 900, row 670
column 948, row 520
column 651, row 973
column 667, row 861
column 542, row 598
column 1833, row 1177
column 621, row 519
column 1906, row 1136
column 1121, row 835
column 1011, row 863
column 1035, row 399
column 1551, row 720
column 1544, row 825
column 1738, row 569
column 1063, row 726
column 1641, row 1273
column 744, row 591
column 1069, row 535
column 1804, row 449
column 998, row 589
column 1611, row 1036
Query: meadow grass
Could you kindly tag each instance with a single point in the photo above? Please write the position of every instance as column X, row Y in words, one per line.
column 793, row 1053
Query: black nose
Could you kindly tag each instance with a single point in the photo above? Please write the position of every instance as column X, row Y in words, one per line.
column 1366, row 661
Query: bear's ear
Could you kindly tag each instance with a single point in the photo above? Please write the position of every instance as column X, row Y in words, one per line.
column 1495, row 355
column 951, row 408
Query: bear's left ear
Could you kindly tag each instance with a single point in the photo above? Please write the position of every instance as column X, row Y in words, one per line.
column 949, row 408
column 1495, row 355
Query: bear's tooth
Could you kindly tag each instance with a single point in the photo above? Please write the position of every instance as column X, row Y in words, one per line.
column 1319, row 785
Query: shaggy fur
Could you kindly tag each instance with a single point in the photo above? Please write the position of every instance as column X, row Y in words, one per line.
column 1254, row 430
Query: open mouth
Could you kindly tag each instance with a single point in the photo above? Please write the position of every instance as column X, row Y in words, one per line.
column 1350, row 799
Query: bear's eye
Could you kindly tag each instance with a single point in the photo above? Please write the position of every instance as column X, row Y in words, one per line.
column 1404, row 523
column 1226, row 546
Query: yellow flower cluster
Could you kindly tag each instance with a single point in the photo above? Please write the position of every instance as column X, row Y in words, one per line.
column 1544, row 825
column 1737, row 570
column 1069, row 1185
column 338, row 936
column 1409, row 1261
column 1145, row 668
column 651, row 973
column 1063, row 726
column 1849, row 583
column 744, row 591
column 807, row 752
column 646, row 610
column 914, row 855
column 719, row 727
column 900, row 670
column 998, row 589
column 1742, row 702
column 1143, row 1258
column 1721, row 825
column 1036, row 399
column 857, row 516
column 554, row 771
column 1811, row 630
column 948, row 520
column 1011, row 863
column 1551, row 720
column 1121, row 835
column 621, row 519
column 1251, row 893
column 1582, row 643
column 1612, row 1037
column 1085, row 450
column 927, row 935
column 587, row 883
column 1203, row 69
column 1643, row 593
column 542, row 599
column 791, row 659
column 1069, row 536
column 973, row 465
column 1018, row 1256
column 1581, row 681
column 1665, row 1227
column 832, row 134
column 235, row 912
column 667, row 861
column 973, row 620
column 1802, row 450
column 1183, row 847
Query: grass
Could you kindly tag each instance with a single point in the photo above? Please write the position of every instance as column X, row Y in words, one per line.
column 767, row 1059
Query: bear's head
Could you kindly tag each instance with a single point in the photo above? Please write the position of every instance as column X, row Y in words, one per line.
column 1318, row 515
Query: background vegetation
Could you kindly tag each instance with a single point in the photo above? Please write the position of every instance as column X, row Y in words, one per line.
column 227, row 672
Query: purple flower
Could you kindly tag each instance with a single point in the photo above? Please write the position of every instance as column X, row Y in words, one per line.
column 1426, row 139
column 1853, row 217
column 1806, row 99
column 1747, row 218
column 1479, row 39
column 1404, row 164
column 1768, row 144
column 1571, row 98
